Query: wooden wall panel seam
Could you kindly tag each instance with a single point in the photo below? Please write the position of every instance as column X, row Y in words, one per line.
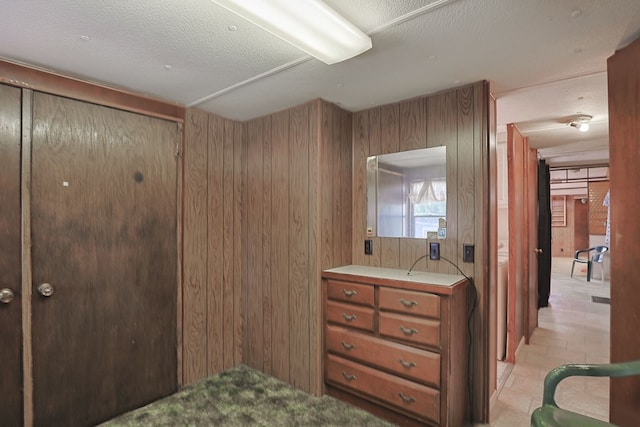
column 314, row 251
column 254, row 285
column 390, row 128
column 215, row 247
column 240, row 221
column 280, row 251
column 359, row 138
column 180, row 256
column 228, row 245
column 266, row 247
column 195, row 226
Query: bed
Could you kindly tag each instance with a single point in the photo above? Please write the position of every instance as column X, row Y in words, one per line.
column 243, row 396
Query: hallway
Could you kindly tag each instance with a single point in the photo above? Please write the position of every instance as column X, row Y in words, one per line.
column 573, row 329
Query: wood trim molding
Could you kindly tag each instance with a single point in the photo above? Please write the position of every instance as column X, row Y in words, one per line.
column 47, row 81
column 180, row 254
column 27, row 353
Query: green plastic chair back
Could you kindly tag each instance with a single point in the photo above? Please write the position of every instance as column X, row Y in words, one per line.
column 550, row 415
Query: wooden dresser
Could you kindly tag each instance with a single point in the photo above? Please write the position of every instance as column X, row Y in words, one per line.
column 396, row 345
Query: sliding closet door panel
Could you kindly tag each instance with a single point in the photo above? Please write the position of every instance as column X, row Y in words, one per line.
column 10, row 263
column 104, row 261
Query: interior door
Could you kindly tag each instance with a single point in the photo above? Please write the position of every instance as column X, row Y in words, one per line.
column 522, row 293
column 104, row 257
column 10, row 259
column 544, row 234
column 534, row 251
column 518, row 244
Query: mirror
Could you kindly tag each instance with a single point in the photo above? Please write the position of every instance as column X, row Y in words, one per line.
column 407, row 194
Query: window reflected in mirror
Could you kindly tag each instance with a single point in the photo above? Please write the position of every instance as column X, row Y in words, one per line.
column 407, row 194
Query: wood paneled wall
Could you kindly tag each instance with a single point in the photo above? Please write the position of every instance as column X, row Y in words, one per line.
column 214, row 222
column 580, row 226
column 267, row 205
column 298, row 223
column 459, row 119
column 597, row 210
column 418, row 123
column 562, row 236
column 575, row 235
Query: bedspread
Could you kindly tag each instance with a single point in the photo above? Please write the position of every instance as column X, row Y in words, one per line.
column 243, row 396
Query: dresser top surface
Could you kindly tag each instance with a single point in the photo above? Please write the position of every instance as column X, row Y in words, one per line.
column 416, row 277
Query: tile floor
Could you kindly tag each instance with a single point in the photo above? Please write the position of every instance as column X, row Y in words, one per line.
column 572, row 330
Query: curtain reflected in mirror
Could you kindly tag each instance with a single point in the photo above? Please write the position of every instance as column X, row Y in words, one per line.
column 407, row 194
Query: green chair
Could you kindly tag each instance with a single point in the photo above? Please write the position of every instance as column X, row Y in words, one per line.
column 550, row 415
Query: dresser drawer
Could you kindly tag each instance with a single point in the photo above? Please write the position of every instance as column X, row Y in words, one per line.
column 350, row 315
column 410, row 328
column 350, row 292
column 405, row 395
column 411, row 302
column 419, row 365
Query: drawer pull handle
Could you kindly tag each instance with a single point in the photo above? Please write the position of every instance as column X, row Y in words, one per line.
column 349, row 293
column 408, row 331
column 407, row 364
column 349, row 317
column 348, row 377
column 348, row 346
column 405, row 398
column 408, row 304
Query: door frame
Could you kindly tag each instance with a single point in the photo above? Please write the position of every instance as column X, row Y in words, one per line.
column 522, row 294
column 29, row 80
column 11, row 337
column 531, row 191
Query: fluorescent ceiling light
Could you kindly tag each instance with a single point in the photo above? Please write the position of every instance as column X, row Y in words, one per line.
column 309, row 25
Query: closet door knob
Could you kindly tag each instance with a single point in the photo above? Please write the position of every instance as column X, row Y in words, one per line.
column 45, row 289
column 6, row 295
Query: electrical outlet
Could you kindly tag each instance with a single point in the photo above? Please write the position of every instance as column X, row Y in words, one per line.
column 434, row 251
column 368, row 247
column 468, row 253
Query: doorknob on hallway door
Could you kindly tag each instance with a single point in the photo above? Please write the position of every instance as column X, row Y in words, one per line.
column 45, row 289
column 538, row 250
column 6, row 295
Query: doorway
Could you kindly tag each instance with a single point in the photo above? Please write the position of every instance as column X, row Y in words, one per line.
column 573, row 329
column 520, row 382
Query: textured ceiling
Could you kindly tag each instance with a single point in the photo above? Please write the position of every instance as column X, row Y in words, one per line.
column 545, row 59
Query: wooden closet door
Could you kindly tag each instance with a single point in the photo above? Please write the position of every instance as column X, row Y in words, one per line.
column 104, row 240
column 10, row 260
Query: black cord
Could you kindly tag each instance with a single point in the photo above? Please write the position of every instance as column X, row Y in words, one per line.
column 415, row 262
column 474, row 300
